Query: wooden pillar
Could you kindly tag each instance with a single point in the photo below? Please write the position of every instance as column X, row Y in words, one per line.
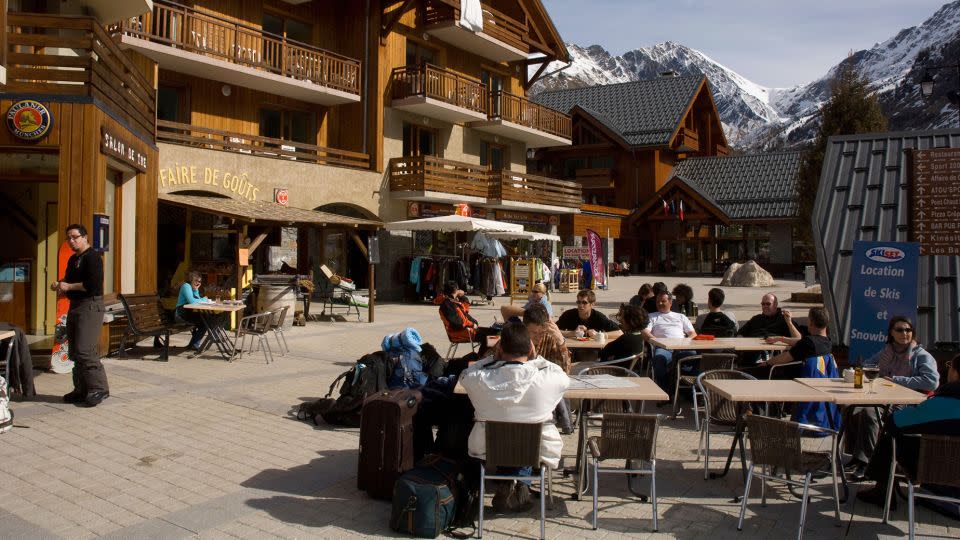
column 372, row 287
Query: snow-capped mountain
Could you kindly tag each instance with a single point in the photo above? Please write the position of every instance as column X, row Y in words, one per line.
column 757, row 117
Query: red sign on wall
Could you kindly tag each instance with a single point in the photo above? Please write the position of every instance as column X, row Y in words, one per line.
column 281, row 196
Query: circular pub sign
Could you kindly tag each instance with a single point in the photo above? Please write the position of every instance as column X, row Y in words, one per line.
column 29, row 120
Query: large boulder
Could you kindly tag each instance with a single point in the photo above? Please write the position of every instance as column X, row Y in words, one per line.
column 750, row 274
column 731, row 270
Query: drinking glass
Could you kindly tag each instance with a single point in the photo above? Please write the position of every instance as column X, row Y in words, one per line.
column 870, row 373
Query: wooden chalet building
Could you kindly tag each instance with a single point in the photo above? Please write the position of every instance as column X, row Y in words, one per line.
column 627, row 138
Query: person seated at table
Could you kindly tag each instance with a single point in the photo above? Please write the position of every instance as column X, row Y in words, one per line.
column 190, row 294
column 515, row 385
column 903, row 361
column 633, row 320
column 650, row 303
column 646, row 291
column 771, row 321
column 585, row 319
column 717, row 322
column 455, row 313
column 939, row 415
column 683, row 299
column 666, row 323
column 547, row 339
column 538, row 295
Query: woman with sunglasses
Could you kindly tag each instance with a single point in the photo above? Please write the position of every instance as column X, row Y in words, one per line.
column 903, row 361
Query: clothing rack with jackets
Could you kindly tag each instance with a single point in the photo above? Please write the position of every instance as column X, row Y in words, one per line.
column 426, row 274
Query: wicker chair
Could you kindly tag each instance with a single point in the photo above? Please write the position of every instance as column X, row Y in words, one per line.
column 777, row 444
column 708, row 362
column 510, row 444
column 631, row 437
column 255, row 326
column 938, row 462
column 720, row 413
column 276, row 325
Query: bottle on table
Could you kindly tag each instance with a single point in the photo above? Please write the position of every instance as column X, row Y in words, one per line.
column 858, row 377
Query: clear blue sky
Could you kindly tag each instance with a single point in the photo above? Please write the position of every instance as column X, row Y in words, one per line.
column 774, row 43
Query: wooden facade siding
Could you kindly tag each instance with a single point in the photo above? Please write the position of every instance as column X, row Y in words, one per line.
column 520, row 187
column 495, row 23
column 687, row 140
column 428, row 173
column 520, row 110
column 188, row 29
column 440, row 84
column 98, row 68
column 216, row 139
column 596, row 178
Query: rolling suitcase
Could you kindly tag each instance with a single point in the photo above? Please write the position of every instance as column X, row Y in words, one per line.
column 386, row 440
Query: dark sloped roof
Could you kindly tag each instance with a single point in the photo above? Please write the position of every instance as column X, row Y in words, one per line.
column 642, row 113
column 752, row 186
column 864, row 194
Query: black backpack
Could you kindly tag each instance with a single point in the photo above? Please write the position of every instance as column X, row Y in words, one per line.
column 367, row 376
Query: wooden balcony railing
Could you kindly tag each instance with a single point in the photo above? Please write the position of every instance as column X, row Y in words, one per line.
column 527, row 188
column 495, row 24
column 215, row 139
column 440, row 84
column 688, row 140
column 520, row 110
column 74, row 55
column 428, row 173
column 190, row 30
column 595, row 178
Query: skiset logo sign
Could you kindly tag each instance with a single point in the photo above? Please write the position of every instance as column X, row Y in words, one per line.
column 884, row 254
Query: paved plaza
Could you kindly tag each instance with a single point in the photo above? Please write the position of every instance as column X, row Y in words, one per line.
column 197, row 447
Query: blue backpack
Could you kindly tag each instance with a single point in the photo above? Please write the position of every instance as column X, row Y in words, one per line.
column 818, row 413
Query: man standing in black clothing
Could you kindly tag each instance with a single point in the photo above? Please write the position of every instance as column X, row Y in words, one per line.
column 83, row 285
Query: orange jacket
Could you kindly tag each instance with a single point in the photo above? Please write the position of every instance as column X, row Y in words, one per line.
column 456, row 319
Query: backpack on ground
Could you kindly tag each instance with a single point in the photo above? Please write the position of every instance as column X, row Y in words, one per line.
column 368, row 376
column 424, row 501
column 386, row 440
column 6, row 415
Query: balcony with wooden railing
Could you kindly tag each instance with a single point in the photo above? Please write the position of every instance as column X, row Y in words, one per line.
column 428, row 178
column 438, row 93
column 68, row 55
column 503, row 38
column 215, row 139
column 183, row 39
column 596, row 178
column 687, row 140
column 510, row 189
column 518, row 118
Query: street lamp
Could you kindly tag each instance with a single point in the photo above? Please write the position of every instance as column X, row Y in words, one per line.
column 927, row 84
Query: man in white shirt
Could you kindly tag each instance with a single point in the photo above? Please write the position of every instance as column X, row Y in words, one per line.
column 667, row 324
column 515, row 385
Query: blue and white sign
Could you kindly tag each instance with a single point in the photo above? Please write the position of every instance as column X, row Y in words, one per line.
column 883, row 284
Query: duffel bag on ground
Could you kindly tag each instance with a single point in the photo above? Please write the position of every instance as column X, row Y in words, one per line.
column 424, row 503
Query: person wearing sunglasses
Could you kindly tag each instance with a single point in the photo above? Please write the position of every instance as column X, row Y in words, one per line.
column 586, row 319
column 903, row 361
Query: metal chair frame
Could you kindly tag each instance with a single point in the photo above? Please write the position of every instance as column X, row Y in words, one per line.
column 708, row 362
column 705, row 427
column 454, row 345
column 257, row 325
column 938, row 463
column 786, row 453
column 277, row 326
column 622, row 437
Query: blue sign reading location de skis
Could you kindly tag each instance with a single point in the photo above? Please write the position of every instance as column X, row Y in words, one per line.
column 883, row 284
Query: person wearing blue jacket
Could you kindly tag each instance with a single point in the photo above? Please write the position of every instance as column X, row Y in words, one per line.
column 939, row 415
column 903, row 361
column 190, row 294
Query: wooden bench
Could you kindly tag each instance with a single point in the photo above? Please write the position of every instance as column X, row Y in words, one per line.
column 146, row 317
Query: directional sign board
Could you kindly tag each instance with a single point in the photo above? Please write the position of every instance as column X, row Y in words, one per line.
column 936, row 201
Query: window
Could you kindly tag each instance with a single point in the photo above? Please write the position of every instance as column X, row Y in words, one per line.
column 420, row 141
column 571, row 165
column 417, row 54
column 601, row 162
column 493, row 156
column 172, row 104
column 288, row 28
column 112, row 208
column 289, row 125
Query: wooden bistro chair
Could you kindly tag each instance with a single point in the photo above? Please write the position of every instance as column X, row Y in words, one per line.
column 938, row 462
column 720, row 414
column 776, row 444
column 256, row 326
column 510, row 444
column 708, row 362
column 631, row 437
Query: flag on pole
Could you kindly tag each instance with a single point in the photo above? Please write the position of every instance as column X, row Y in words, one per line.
column 595, row 245
column 666, row 207
column 681, row 209
column 673, row 207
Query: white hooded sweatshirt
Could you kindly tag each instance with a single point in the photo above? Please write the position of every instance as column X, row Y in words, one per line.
column 516, row 392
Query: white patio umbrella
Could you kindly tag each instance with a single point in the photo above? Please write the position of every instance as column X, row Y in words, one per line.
column 452, row 223
column 525, row 235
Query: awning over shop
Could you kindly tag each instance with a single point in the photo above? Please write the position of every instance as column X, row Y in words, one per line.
column 265, row 212
column 453, row 223
column 525, row 235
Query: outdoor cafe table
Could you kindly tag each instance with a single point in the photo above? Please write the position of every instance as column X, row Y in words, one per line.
column 744, row 391
column 845, row 395
column 735, row 343
column 601, row 387
column 216, row 334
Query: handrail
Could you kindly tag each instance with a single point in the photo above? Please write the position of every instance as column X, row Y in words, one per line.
column 520, row 110
column 440, row 84
column 217, row 139
column 495, row 24
column 186, row 28
column 93, row 66
column 528, row 188
column 429, row 173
